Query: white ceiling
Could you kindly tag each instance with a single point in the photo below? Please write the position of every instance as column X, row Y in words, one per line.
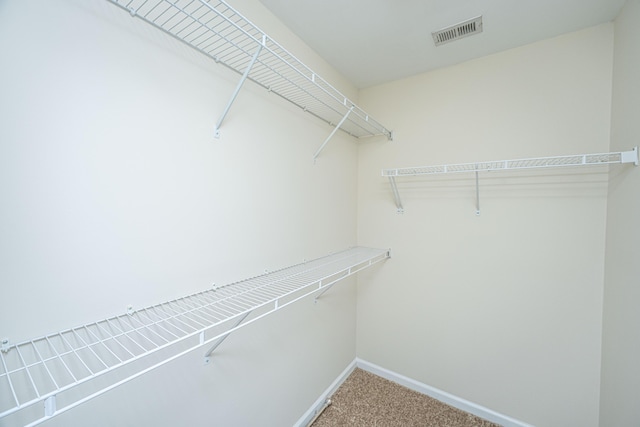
column 376, row 41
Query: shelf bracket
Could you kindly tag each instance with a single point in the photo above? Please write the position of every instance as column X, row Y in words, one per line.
column 207, row 355
column 239, row 86
column 50, row 406
column 396, row 194
column 477, row 195
column 333, row 132
column 630, row 156
column 327, row 286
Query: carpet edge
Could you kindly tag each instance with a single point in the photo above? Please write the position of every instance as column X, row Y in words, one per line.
column 443, row 396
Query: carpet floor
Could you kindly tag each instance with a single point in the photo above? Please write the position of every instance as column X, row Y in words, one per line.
column 365, row 399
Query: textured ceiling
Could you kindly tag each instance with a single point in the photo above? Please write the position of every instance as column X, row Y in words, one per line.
column 376, row 41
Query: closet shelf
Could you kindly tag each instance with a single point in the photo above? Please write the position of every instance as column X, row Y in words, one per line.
column 68, row 368
column 504, row 165
column 218, row 31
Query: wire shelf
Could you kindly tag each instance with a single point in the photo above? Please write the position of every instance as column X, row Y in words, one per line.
column 218, row 31
column 530, row 163
column 504, row 165
column 61, row 367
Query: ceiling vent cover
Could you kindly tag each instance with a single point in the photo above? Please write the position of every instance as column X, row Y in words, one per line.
column 458, row 31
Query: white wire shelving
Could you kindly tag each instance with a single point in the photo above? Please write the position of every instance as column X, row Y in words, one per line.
column 43, row 377
column 576, row 160
column 218, row 31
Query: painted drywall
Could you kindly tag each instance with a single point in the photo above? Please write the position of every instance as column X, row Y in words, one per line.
column 501, row 309
column 115, row 193
column 620, row 339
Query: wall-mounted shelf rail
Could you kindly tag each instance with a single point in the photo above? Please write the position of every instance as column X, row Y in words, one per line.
column 218, row 31
column 504, row 165
column 43, row 377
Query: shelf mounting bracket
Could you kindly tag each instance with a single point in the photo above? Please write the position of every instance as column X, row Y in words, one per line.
column 396, row 194
column 239, row 86
column 326, row 286
column 50, row 406
column 207, row 355
column 630, row 156
column 333, row 132
column 477, row 195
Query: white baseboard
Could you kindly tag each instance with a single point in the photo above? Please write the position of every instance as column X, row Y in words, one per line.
column 440, row 395
column 311, row 412
column 412, row 384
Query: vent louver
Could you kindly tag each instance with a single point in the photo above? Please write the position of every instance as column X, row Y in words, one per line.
column 458, row 31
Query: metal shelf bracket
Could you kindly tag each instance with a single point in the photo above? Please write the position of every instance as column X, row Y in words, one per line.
column 333, row 132
column 477, row 195
column 207, row 355
column 396, row 194
column 239, row 86
column 630, row 156
column 50, row 406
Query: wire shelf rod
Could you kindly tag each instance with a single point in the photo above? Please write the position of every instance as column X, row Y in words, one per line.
column 115, row 339
column 61, row 359
column 225, row 309
column 192, row 318
column 75, row 353
column 138, row 330
column 154, row 323
column 90, row 347
column 191, row 313
column 8, row 376
column 173, row 321
column 46, row 367
column 125, row 334
column 102, row 343
column 210, row 301
column 208, row 314
column 26, row 369
column 187, row 311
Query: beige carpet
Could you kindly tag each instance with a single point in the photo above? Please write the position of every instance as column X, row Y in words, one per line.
column 367, row 400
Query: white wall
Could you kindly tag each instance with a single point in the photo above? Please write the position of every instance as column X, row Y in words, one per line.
column 502, row 309
column 114, row 192
column 621, row 341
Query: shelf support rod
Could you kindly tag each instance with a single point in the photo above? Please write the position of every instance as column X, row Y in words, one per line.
column 477, row 195
column 207, row 355
column 396, row 194
column 239, row 86
column 331, row 134
column 315, row 300
column 330, row 285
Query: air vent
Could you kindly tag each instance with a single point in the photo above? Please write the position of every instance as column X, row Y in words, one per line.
column 458, row 31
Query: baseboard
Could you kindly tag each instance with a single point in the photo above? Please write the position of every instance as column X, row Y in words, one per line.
column 440, row 395
column 311, row 412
